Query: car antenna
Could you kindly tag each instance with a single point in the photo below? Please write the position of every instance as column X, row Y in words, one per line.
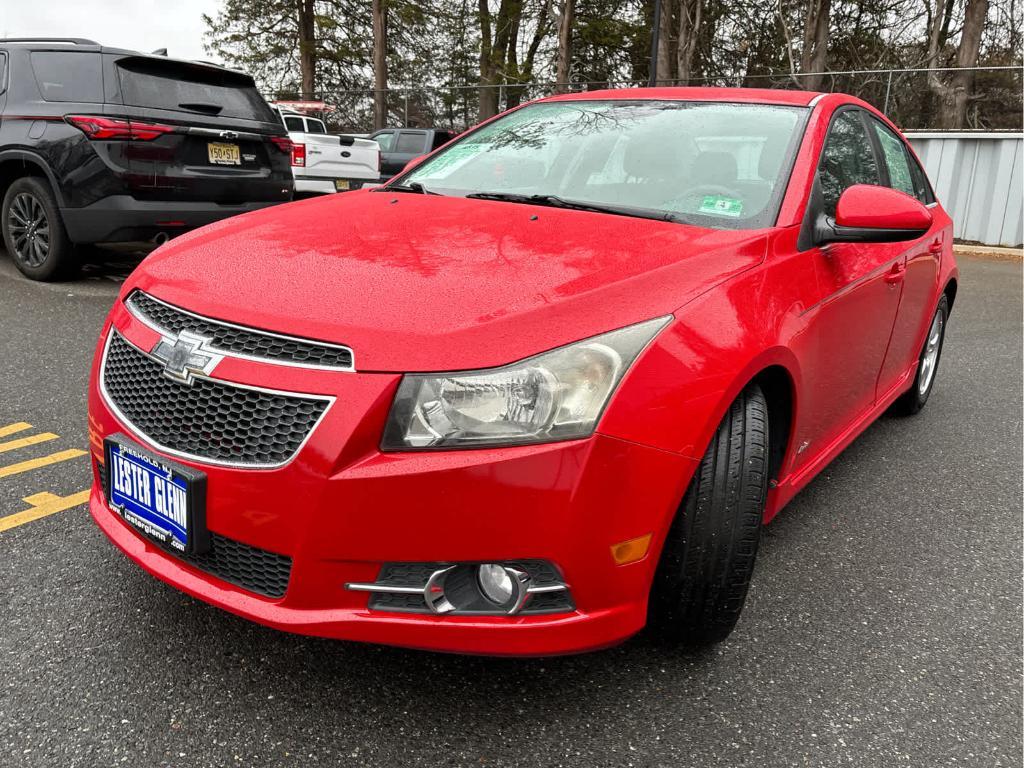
column 159, row 52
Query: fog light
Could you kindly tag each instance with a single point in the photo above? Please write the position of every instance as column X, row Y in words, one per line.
column 495, row 582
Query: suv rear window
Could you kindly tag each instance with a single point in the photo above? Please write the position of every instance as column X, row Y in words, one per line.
column 180, row 87
column 68, row 75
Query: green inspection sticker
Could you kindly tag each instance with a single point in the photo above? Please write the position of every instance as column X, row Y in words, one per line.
column 721, row 206
column 452, row 158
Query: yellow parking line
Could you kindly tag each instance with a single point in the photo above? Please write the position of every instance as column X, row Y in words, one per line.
column 10, row 429
column 41, row 505
column 53, row 458
column 21, row 442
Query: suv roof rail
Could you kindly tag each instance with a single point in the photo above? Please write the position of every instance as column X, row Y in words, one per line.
column 72, row 40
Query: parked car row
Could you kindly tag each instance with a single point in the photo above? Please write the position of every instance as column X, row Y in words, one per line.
column 106, row 145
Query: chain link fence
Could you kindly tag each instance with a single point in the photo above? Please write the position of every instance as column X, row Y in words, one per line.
column 903, row 94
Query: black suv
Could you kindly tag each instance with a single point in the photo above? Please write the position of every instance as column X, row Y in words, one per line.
column 101, row 144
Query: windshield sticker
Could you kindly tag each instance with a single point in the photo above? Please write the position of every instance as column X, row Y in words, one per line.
column 452, row 158
column 721, row 206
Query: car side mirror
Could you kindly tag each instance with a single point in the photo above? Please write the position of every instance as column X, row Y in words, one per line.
column 870, row 214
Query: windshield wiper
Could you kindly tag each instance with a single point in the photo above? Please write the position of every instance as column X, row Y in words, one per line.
column 201, row 106
column 415, row 187
column 554, row 201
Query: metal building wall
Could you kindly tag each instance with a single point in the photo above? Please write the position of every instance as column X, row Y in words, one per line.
column 978, row 178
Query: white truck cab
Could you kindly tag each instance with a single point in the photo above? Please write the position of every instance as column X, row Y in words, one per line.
column 322, row 162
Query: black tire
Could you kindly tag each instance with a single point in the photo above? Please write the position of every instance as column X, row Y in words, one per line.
column 914, row 399
column 708, row 558
column 34, row 233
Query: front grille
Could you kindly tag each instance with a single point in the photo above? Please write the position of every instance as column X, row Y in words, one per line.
column 250, row 568
column 229, row 339
column 207, row 420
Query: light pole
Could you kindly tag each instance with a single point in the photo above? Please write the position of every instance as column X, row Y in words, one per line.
column 655, row 29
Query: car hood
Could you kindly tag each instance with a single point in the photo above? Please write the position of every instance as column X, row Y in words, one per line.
column 429, row 283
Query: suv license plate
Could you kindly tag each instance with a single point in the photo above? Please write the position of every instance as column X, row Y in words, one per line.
column 224, row 154
column 162, row 499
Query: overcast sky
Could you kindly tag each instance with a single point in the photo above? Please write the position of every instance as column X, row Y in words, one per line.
column 142, row 25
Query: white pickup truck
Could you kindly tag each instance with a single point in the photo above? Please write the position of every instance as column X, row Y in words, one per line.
column 324, row 162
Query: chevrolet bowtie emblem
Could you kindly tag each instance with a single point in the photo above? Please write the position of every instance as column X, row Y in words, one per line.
column 185, row 356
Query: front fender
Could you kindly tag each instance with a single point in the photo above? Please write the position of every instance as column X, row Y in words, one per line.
column 678, row 391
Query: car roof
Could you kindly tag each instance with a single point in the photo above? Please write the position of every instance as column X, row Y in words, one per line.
column 745, row 95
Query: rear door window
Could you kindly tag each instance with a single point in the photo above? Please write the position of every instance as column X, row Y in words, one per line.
column 181, row 87
column 410, row 143
column 68, row 75
column 847, row 158
column 904, row 172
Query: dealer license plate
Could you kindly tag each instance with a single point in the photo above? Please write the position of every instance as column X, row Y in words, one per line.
column 164, row 500
column 224, row 154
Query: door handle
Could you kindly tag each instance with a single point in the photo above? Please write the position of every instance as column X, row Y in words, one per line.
column 895, row 275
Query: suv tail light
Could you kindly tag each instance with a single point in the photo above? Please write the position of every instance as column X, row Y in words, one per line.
column 116, row 129
column 299, row 155
column 283, row 143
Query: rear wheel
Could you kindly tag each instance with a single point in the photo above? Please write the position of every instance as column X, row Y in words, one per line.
column 914, row 399
column 708, row 558
column 34, row 232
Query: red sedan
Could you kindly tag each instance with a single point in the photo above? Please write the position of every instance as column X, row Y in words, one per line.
column 540, row 390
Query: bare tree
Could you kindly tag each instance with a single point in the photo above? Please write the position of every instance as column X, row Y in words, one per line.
column 563, row 64
column 953, row 92
column 814, row 54
column 523, row 73
column 380, row 63
column 307, row 47
column 689, row 35
column 495, row 35
column 959, row 92
column 666, row 65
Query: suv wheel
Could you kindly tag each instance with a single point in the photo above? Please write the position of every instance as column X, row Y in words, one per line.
column 33, row 231
column 708, row 557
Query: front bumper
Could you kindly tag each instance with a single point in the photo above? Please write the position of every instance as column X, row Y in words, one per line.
column 341, row 509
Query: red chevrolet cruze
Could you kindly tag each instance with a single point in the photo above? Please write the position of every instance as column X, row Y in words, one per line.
column 541, row 389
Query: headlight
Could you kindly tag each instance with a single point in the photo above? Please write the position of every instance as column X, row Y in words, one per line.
column 558, row 395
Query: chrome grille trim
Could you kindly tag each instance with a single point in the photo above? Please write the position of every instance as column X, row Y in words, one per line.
column 143, row 437
column 199, row 321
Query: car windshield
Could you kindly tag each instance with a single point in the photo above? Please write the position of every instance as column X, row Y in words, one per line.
column 719, row 165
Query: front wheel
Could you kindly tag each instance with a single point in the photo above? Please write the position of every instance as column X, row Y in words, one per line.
column 708, row 558
column 913, row 400
column 34, row 232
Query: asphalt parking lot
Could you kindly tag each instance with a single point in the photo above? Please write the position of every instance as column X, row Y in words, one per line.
column 883, row 627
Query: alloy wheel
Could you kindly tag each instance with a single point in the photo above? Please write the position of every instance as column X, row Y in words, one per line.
column 930, row 358
column 29, row 228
